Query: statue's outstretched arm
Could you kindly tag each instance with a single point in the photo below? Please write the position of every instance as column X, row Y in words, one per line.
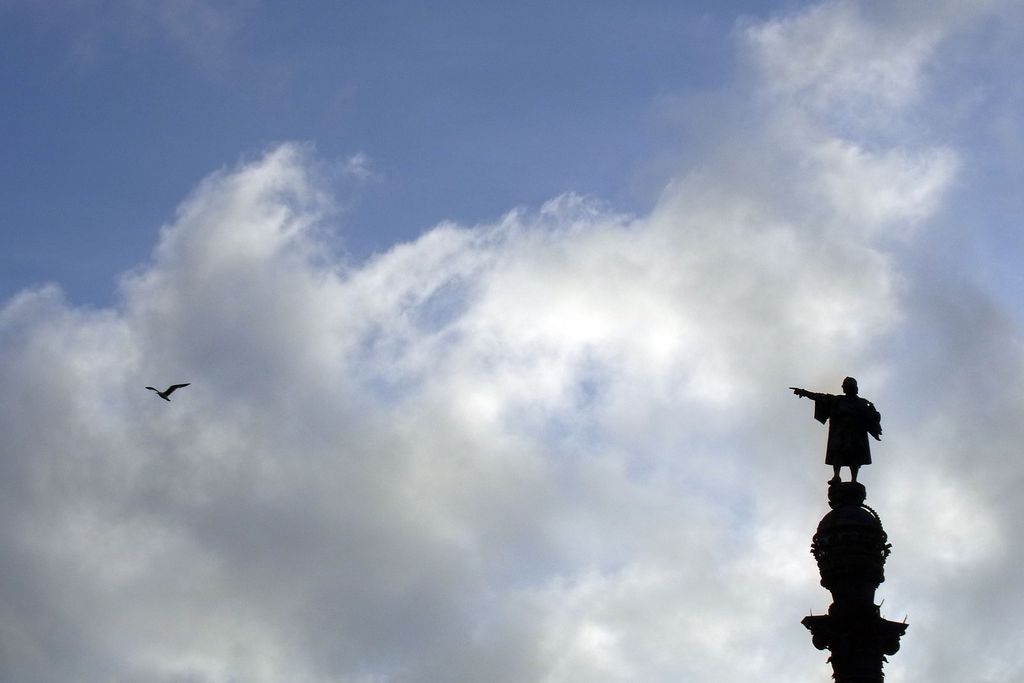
column 803, row 393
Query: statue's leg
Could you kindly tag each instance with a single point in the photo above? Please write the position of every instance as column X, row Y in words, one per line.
column 835, row 474
column 853, row 472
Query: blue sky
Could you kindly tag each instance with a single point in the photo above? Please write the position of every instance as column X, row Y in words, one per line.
column 463, row 110
column 488, row 315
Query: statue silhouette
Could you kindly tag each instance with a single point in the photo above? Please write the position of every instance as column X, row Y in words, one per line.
column 851, row 418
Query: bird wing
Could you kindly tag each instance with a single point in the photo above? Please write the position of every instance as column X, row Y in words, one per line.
column 174, row 387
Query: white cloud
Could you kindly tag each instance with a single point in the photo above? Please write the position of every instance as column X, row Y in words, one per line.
column 553, row 448
column 360, row 167
column 891, row 191
column 837, row 62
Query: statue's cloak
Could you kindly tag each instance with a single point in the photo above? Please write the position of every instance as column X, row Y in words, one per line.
column 850, row 420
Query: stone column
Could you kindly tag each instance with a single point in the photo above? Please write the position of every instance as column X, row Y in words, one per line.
column 850, row 547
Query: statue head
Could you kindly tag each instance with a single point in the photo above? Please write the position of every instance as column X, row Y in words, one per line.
column 850, row 386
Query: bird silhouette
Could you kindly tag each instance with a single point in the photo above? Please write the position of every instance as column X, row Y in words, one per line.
column 168, row 391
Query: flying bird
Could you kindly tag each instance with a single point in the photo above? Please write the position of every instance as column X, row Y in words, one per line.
column 169, row 390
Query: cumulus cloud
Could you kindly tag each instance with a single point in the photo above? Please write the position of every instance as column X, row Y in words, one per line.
column 834, row 60
column 556, row 447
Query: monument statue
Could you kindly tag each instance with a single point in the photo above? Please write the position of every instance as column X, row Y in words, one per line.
column 850, row 547
column 851, row 418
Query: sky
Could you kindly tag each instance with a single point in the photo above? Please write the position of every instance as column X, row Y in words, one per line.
column 489, row 313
